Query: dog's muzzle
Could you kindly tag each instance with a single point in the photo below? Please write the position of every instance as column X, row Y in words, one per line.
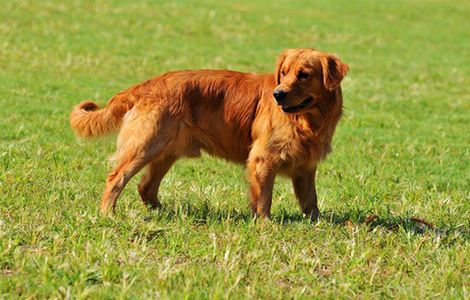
column 293, row 109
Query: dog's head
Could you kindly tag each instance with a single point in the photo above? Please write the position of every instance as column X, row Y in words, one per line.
column 304, row 75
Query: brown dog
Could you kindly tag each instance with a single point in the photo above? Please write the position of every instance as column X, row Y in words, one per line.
column 275, row 123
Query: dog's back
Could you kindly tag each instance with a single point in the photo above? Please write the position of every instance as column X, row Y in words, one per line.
column 217, row 108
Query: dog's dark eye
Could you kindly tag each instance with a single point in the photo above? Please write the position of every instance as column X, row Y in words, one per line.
column 283, row 73
column 302, row 75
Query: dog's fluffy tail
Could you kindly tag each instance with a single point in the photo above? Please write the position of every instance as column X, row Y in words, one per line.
column 88, row 120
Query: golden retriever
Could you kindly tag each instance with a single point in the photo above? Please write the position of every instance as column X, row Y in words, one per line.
column 274, row 123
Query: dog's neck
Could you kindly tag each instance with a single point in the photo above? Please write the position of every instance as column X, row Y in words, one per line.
column 318, row 125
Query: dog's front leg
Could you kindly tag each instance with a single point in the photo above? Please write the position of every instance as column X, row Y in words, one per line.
column 261, row 169
column 304, row 187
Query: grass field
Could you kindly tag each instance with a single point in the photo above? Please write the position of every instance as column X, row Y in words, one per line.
column 401, row 151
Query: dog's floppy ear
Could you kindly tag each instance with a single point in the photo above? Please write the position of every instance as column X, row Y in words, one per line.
column 280, row 61
column 333, row 70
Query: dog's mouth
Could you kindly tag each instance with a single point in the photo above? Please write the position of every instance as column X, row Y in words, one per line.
column 296, row 108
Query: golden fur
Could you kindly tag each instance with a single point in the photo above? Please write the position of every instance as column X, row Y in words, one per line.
column 227, row 114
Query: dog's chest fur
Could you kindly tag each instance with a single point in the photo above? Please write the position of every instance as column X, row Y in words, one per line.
column 308, row 139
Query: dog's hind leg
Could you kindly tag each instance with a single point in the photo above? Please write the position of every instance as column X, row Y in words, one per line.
column 143, row 137
column 150, row 182
column 130, row 164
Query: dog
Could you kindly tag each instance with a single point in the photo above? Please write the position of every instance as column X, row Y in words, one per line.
column 281, row 123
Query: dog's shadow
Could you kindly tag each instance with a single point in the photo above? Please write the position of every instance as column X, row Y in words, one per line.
column 353, row 218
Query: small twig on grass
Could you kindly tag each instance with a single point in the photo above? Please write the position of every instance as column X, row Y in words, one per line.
column 371, row 219
column 394, row 226
column 421, row 221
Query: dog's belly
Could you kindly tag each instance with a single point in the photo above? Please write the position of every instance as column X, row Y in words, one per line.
column 222, row 127
column 234, row 149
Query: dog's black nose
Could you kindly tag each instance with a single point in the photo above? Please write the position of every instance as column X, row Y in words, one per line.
column 280, row 96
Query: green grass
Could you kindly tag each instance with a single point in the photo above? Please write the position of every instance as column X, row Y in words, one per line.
column 401, row 151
